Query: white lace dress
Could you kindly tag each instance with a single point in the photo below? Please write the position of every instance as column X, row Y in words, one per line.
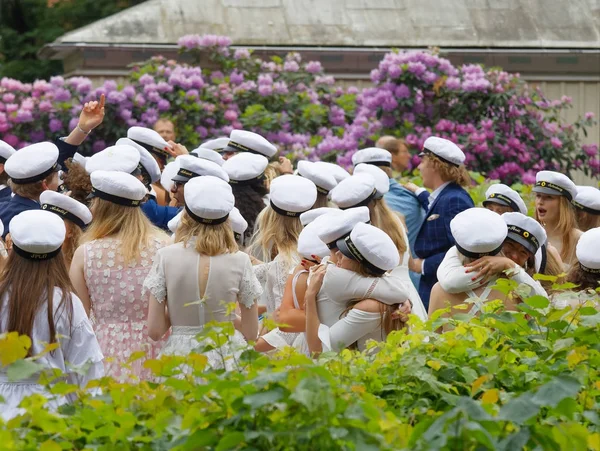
column 198, row 289
column 119, row 313
column 78, row 347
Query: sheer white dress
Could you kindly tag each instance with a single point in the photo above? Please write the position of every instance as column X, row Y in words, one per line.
column 198, row 289
column 78, row 347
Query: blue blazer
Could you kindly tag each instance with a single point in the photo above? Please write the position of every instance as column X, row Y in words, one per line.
column 159, row 215
column 5, row 194
column 13, row 207
column 434, row 237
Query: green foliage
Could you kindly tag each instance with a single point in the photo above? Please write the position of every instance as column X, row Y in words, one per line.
column 27, row 25
column 499, row 381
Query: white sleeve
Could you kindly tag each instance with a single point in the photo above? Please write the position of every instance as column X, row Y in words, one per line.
column 452, row 276
column 355, row 325
column 82, row 351
column 250, row 289
column 261, row 272
column 155, row 281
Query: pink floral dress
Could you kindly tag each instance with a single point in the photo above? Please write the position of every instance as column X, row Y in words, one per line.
column 119, row 312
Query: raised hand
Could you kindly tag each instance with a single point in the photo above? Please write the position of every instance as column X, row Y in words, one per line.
column 92, row 115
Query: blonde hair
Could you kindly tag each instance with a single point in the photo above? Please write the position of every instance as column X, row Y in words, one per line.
column 566, row 226
column 211, row 240
column 71, row 243
column 449, row 172
column 587, row 221
column 128, row 224
column 275, row 234
column 385, row 219
column 272, row 171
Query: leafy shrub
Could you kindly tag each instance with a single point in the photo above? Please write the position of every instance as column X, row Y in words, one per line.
column 500, row 381
column 508, row 129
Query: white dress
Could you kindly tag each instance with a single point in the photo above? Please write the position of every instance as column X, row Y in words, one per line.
column 341, row 286
column 197, row 289
column 78, row 347
column 453, row 279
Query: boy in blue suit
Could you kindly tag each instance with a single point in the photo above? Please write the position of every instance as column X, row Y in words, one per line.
column 443, row 172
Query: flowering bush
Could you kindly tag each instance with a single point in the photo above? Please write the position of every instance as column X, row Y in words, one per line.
column 499, row 381
column 507, row 129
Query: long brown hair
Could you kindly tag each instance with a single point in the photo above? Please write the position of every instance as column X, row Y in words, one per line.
column 71, row 241
column 211, row 240
column 567, row 225
column 583, row 279
column 129, row 224
column 385, row 219
column 587, row 221
column 29, row 284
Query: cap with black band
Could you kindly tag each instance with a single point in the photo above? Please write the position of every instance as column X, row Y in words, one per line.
column 588, row 252
column 373, row 155
column 208, row 200
column 478, row 232
column 444, row 149
column 338, row 225
column 525, row 231
column 291, row 195
column 504, row 195
column 371, row 247
column 355, row 191
column 245, row 168
column 587, row 199
column 382, row 181
column 191, row 166
column 323, row 179
column 554, row 184
column 66, row 207
column 6, row 151
column 245, row 141
column 148, row 166
column 32, row 163
column 150, row 140
column 118, row 187
column 122, row 158
column 37, row 235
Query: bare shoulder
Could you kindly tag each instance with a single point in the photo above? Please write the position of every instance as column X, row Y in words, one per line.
column 78, row 256
column 368, row 305
column 577, row 233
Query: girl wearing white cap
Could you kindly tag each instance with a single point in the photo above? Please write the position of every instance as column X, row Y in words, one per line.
column 75, row 215
column 35, row 264
column 246, row 173
column 587, row 207
column 553, row 209
column 369, row 253
column 291, row 311
column 276, row 238
column 109, row 268
column 522, row 254
column 478, row 232
column 323, row 179
column 221, row 274
column 585, row 273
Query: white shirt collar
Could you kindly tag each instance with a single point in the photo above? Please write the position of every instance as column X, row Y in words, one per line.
column 433, row 196
column 2, row 187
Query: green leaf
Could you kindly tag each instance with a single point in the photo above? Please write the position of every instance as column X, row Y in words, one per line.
column 22, row 369
column 539, row 302
column 553, row 392
column 519, row 410
column 231, row 440
column 258, row 400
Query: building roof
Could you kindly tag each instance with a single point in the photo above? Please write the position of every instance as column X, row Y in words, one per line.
column 525, row 24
